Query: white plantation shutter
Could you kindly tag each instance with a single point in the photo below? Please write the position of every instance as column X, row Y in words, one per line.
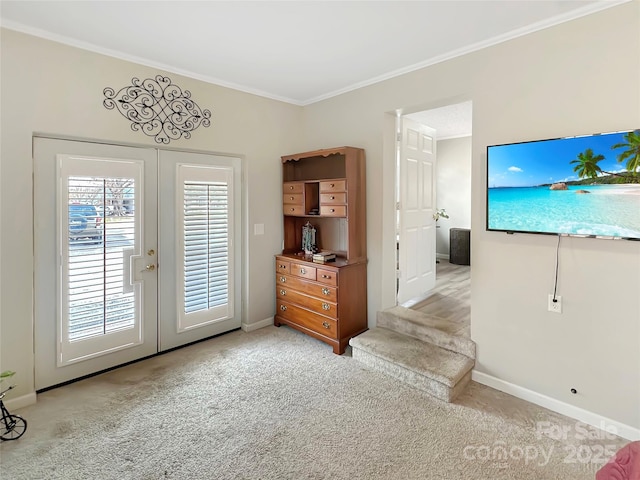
column 205, row 216
column 97, row 302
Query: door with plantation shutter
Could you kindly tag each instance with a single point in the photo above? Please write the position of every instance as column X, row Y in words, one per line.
column 95, row 236
column 135, row 253
column 199, row 246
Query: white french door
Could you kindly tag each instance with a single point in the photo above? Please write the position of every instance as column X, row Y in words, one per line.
column 200, row 235
column 108, row 290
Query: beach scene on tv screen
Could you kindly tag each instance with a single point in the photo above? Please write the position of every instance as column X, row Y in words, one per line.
column 588, row 185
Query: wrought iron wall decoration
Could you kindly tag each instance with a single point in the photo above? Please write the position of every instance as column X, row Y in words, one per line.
column 158, row 108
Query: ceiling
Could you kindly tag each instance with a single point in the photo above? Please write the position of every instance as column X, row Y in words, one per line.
column 295, row 51
column 299, row 52
column 451, row 121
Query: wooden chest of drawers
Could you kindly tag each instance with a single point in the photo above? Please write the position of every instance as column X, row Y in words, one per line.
column 325, row 301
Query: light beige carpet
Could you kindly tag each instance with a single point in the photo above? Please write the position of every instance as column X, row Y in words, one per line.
column 275, row 404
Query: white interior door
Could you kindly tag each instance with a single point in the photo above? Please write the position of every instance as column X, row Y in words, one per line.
column 95, row 281
column 200, row 247
column 416, row 225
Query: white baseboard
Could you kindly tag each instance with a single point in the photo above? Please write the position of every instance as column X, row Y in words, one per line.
column 625, row 431
column 23, row 401
column 442, row 256
column 250, row 327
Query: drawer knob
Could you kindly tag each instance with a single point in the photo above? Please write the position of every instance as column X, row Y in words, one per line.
column 283, row 308
column 325, row 324
column 326, row 306
column 332, row 197
column 333, row 185
column 303, row 271
column 291, row 187
column 283, row 292
column 332, row 210
column 283, row 279
column 283, row 266
column 293, row 209
column 326, row 276
column 291, row 198
column 326, row 291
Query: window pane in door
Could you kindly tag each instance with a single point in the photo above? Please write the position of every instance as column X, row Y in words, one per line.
column 99, row 229
column 205, row 240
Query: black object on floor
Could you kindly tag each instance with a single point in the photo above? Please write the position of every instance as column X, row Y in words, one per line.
column 460, row 246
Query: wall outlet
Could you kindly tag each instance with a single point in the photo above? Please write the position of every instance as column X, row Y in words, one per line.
column 555, row 307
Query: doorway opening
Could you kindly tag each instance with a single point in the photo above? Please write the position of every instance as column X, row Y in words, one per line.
column 445, row 222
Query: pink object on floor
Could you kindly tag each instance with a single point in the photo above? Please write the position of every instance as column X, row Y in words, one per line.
column 625, row 465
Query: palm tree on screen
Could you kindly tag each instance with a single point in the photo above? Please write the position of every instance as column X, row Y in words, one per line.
column 632, row 152
column 587, row 164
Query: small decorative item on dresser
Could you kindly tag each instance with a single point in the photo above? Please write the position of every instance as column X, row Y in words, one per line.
column 309, row 239
column 322, row 257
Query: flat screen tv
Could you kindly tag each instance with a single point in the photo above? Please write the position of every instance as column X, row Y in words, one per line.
column 584, row 186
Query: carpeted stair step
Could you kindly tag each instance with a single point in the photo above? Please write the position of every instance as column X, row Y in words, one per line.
column 442, row 373
column 427, row 328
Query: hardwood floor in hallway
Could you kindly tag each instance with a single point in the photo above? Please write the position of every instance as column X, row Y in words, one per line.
column 450, row 300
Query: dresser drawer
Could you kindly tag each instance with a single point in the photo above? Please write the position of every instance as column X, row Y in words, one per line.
column 282, row 266
column 293, row 199
column 333, row 210
column 300, row 316
column 314, row 304
column 330, row 294
column 328, row 277
column 294, row 209
column 333, row 198
column 304, row 271
column 333, row 186
column 293, row 187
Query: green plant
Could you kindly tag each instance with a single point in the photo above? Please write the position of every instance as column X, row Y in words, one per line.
column 441, row 212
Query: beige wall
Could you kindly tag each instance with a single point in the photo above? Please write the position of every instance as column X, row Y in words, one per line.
column 576, row 78
column 579, row 77
column 453, row 190
column 55, row 89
